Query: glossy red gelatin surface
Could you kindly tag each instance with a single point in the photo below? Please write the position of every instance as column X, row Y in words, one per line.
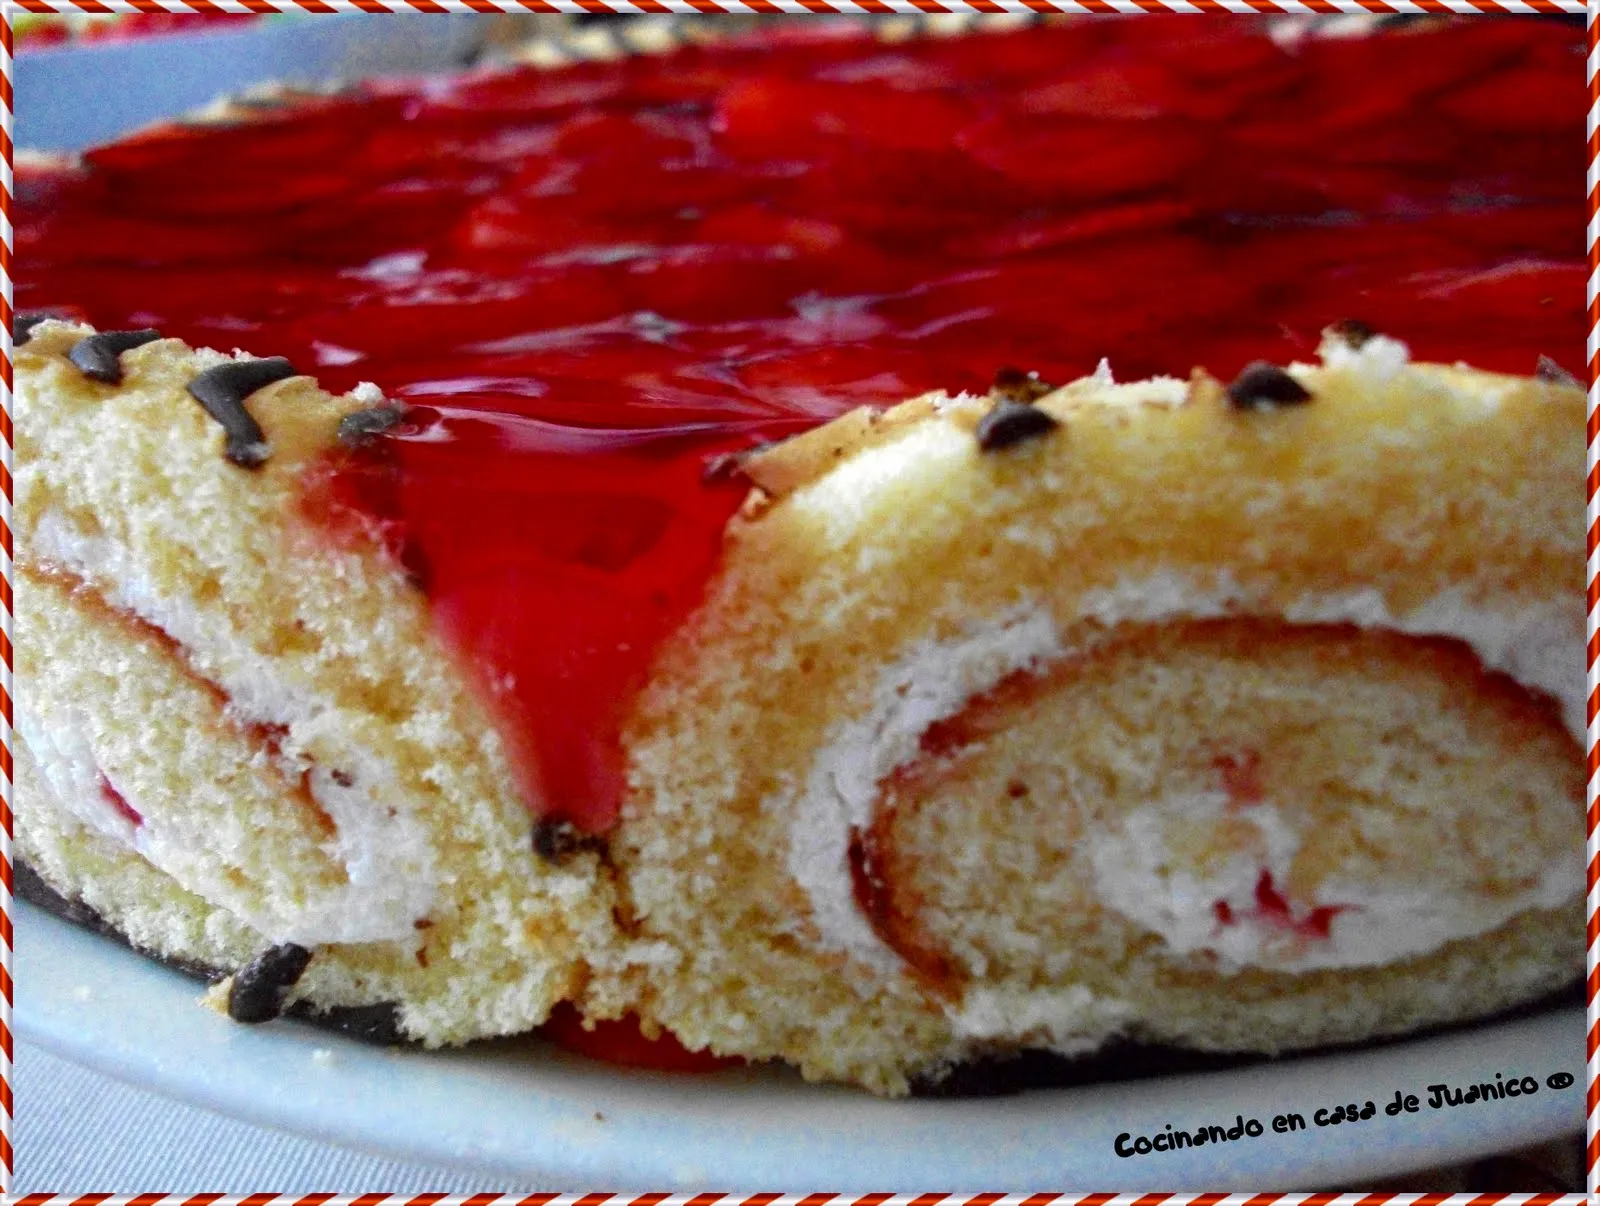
column 587, row 282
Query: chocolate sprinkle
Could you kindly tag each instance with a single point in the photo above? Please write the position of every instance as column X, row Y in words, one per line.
column 1014, row 385
column 222, row 391
column 22, row 327
column 1009, row 423
column 1552, row 372
column 1263, row 385
column 1352, row 331
column 256, row 994
column 357, row 429
column 377, row 1024
column 556, row 841
column 99, row 357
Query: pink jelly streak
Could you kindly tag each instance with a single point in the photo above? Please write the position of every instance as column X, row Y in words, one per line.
column 115, row 798
column 590, row 281
column 1272, row 908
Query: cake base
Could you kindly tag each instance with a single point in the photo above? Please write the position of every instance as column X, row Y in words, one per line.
column 994, row 1076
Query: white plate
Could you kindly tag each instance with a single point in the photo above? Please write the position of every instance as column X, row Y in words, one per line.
column 527, row 1111
column 74, row 96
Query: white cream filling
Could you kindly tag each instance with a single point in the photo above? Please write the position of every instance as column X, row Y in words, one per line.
column 1539, row 645
column 1139, row 875
column 1069, row 1021
column 67, row 763
column 1379, row 357
column 385, row 851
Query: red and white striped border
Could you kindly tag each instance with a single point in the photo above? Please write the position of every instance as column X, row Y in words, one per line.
column 854, row 7
column 803, row 6
column 6, row 1155
column 1593, row 595
column 815, row 1199
column 805, row 1200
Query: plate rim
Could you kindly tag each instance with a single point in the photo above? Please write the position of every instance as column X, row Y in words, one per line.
column 99, row 1004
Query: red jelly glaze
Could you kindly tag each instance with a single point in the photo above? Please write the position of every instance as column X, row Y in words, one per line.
column 589, row 281
column 118, row 801
column 623, row 1042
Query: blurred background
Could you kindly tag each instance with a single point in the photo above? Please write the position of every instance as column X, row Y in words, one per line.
column 82, row 79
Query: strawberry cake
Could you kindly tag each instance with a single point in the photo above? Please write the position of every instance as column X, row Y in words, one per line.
column 842, row 545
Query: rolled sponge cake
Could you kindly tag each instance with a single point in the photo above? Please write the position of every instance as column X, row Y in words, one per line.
column 1234, row 726
column 1226, row 718
column 246, row 733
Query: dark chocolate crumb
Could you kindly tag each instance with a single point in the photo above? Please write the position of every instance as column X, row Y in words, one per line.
column 256, row 994
column 1263, row 385
column 342, row 778
column 222, row 391
column 1352, row 331
column 1552, row 372
column 729, row 466
column 724, row 467
column 1005, row 1075
column 377, row 1024
column 99, row 357
column 1130, row 1059
column 22, row 327
column 556, row 841
column 1009, row 423
column 357, row 429
column 1014, row 385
